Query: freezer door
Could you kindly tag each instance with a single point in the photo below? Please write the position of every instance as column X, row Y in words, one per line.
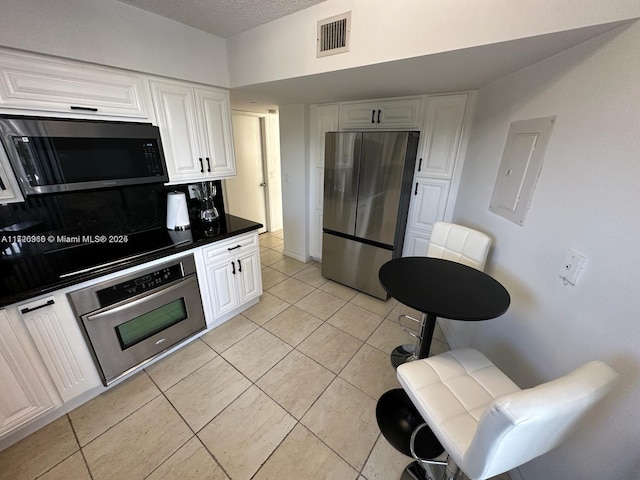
column 382, row 167
column 354, row 264
column 342, row 155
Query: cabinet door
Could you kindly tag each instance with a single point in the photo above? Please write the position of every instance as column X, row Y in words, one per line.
column 428, row 203
column 222, row 287
column 57, row 336
column 249, row 275
column 358, row 116
column 26, row 392
column 416, row 243
column 400, row 114
column 323, row 119
column 215, row 133
column 441, row 142
column 9, row 188
column 41, row 83
column 175, row 106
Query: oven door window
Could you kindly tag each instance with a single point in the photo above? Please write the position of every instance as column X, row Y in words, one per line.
column 144, row 326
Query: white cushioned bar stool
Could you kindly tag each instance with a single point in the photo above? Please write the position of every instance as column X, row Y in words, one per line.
column 485, row 422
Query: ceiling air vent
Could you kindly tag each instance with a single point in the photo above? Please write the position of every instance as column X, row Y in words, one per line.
column 333, row 35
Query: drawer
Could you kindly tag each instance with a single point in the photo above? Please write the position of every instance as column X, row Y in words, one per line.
column 228, row 248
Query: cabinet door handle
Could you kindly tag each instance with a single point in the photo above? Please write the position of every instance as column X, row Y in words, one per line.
column 29, row 310
column 233, row 268
column 84, row 109
column 373, row 116
column 233, row 248
column 208, row 165
column 416, row 190
column 2, row 187
column 420, row 165
column 379, row 115
column 239, row 266
column 201, row 165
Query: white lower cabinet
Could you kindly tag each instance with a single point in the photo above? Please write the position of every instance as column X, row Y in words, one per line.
column 232, row 273
column 27, row 392
column 57, row 336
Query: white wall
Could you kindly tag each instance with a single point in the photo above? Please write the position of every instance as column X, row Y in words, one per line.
column 274, row 171
column 112, row 33
column 294, row 127
column 384, row 30
column 587, row 198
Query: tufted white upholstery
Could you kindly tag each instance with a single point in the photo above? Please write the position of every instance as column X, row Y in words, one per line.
column 459, row 244
column 484, row 421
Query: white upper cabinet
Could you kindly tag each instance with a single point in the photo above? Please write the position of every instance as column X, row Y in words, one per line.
column 396, row 114
column 9, row 188
column 442, row 135
column 38, row 83
column 195, row 125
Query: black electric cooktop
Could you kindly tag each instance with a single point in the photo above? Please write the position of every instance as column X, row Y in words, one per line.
column 31, row 261
column 35, row 264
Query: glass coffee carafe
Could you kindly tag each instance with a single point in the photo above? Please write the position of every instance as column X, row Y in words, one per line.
column 205, row 193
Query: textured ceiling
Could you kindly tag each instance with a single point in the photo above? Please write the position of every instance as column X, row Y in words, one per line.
column 224, row 18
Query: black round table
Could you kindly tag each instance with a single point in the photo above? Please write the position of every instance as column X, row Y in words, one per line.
column 441, row 288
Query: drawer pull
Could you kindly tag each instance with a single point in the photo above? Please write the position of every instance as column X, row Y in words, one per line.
column 84, row 109
column 29, row 310
column 233, row 248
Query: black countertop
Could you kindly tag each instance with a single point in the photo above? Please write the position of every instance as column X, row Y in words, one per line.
column 28, row 271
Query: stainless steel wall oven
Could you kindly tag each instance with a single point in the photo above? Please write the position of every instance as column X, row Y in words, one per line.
column 129, row 320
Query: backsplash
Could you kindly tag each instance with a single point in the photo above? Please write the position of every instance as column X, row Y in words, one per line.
column 114, row 211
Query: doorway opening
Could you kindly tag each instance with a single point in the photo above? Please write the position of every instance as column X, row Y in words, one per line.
column 255, row 192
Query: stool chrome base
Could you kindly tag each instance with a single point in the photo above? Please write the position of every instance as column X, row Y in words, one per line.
column 415, row 471
column 403, row 354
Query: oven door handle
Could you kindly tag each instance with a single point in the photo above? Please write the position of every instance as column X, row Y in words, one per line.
column 127, row 304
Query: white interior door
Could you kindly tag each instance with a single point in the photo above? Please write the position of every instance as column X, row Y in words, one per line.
column 246, row 192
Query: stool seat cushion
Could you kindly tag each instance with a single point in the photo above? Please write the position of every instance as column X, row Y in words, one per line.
column 452, row 391
column 485, row 422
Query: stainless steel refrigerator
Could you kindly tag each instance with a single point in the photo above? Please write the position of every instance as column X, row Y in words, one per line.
column 367, row 188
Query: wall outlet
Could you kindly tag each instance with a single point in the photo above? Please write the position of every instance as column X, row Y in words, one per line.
column 572, row 265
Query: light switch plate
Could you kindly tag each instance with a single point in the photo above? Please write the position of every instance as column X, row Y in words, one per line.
column 571, row 267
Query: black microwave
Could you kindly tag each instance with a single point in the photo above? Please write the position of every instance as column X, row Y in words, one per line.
column 58, row 155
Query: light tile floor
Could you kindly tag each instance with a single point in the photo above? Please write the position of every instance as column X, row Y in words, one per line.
column 286, row 390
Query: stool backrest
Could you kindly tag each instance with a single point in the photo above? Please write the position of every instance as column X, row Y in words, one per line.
column 518, row 427
column 459, row 244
